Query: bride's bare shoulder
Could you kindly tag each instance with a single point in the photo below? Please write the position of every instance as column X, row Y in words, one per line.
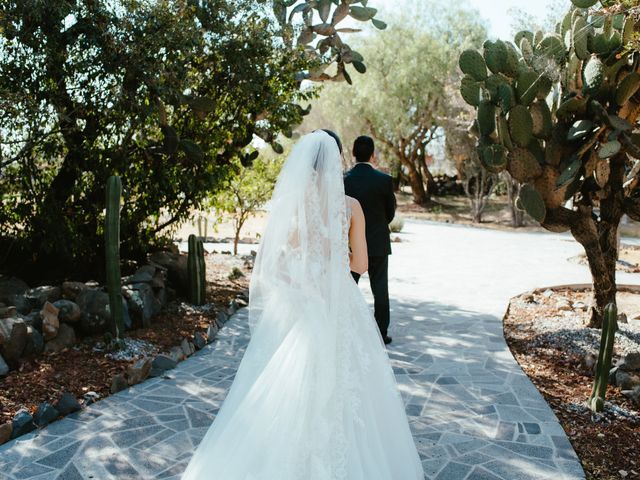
column 354, row 205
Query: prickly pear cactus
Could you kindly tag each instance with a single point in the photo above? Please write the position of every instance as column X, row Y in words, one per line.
column 546, row 102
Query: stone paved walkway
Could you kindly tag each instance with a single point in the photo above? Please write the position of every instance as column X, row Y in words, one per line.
column 474, row 414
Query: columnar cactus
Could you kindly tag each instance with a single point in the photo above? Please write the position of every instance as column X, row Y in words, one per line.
column 196, row 271
column 558, row 112
column 112, row 254
column 596, row 400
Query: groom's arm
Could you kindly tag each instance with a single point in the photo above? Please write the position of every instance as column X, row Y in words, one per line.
column 391, row 201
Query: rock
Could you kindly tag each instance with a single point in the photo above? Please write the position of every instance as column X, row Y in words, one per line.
column 631, row 361
column 90, row 397
column 187, row 347
column 547, row 293
column 162, row 363
column 38, row 296
column 633, row 395
column 159, row 279
column 95, row 317
column 12, row 291
column 6, row 312
column 67, row 404
column 66, row 338
column 33, row 319
column 5, row 432
column 177, row 354
column 612, row 375
column 626, row 381
column 45, row 414
column 50, row 322
column 118, row 383
column 139, row 371
column 35, row 343
column 199, row 341
column 232, row 308
column 13, row 338
column 71, row 290
column 22, row 423
column 142, row 303
column 590, row 361
column 622, row 318
column 580, row 306
column 528, row 298
column 212, row 331
column 68, row 311
column 176, row 268
column 222, row 317
column 564, row 305
column 4, row 368
column 143, row 275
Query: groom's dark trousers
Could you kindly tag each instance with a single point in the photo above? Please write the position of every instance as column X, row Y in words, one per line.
column 374, row 190
column 378, row 278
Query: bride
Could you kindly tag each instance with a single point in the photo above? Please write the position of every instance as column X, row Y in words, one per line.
column 314, row 397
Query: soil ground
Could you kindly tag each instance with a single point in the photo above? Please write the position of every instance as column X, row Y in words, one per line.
column 82, row 369
column 554, row 359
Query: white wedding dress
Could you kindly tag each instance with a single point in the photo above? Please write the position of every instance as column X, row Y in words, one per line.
column 315, row 397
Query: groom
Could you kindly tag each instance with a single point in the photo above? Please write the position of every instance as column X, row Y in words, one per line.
column 374, row 190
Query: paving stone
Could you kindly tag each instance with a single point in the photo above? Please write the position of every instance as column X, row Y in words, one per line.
column 467, row 397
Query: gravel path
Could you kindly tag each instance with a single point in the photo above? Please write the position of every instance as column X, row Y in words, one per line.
column 474, row 414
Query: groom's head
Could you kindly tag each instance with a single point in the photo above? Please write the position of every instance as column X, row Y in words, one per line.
column 363, row 149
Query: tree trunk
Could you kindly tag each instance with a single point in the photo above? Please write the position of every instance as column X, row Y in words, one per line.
column 416, row 182
column 513, row 191
column 596, row 239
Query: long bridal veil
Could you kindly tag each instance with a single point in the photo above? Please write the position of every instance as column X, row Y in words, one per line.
column 314, row 397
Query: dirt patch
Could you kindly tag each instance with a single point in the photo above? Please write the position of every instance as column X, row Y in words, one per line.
column 86, row 367
column 546, row 334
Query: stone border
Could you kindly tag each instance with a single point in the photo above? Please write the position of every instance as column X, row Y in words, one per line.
column 144, row 368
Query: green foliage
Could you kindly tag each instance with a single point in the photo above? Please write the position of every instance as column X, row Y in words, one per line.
column 246, row 191
column 112, row 254
column 403, row 100
column 162, row 94
column 599, row 391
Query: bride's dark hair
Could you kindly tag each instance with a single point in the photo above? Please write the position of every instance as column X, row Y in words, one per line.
column 335, row 137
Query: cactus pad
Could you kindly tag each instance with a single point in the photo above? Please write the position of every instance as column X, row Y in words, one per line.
column 584, row 3
column 523, row 166
column 628, row 88
column 541, row 117
column 526, row 86
column 472, row 63
column 593, row 75
column 495, row 54
column 532, row 202
column 570, row 172
column 494, row 157
column 546, row 184
column 580, row 129
column 486, row 117
column 609, row 149
column 520, row 125
column 470, row 90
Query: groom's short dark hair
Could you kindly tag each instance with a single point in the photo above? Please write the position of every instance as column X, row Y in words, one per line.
column 363, row 148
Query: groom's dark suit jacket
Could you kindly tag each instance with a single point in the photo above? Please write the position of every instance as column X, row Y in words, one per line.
column 374, row 190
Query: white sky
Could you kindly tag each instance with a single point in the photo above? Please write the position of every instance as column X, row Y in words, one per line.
column 495, row 12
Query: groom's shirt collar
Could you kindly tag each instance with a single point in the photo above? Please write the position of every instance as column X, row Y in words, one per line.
column 364, row 163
